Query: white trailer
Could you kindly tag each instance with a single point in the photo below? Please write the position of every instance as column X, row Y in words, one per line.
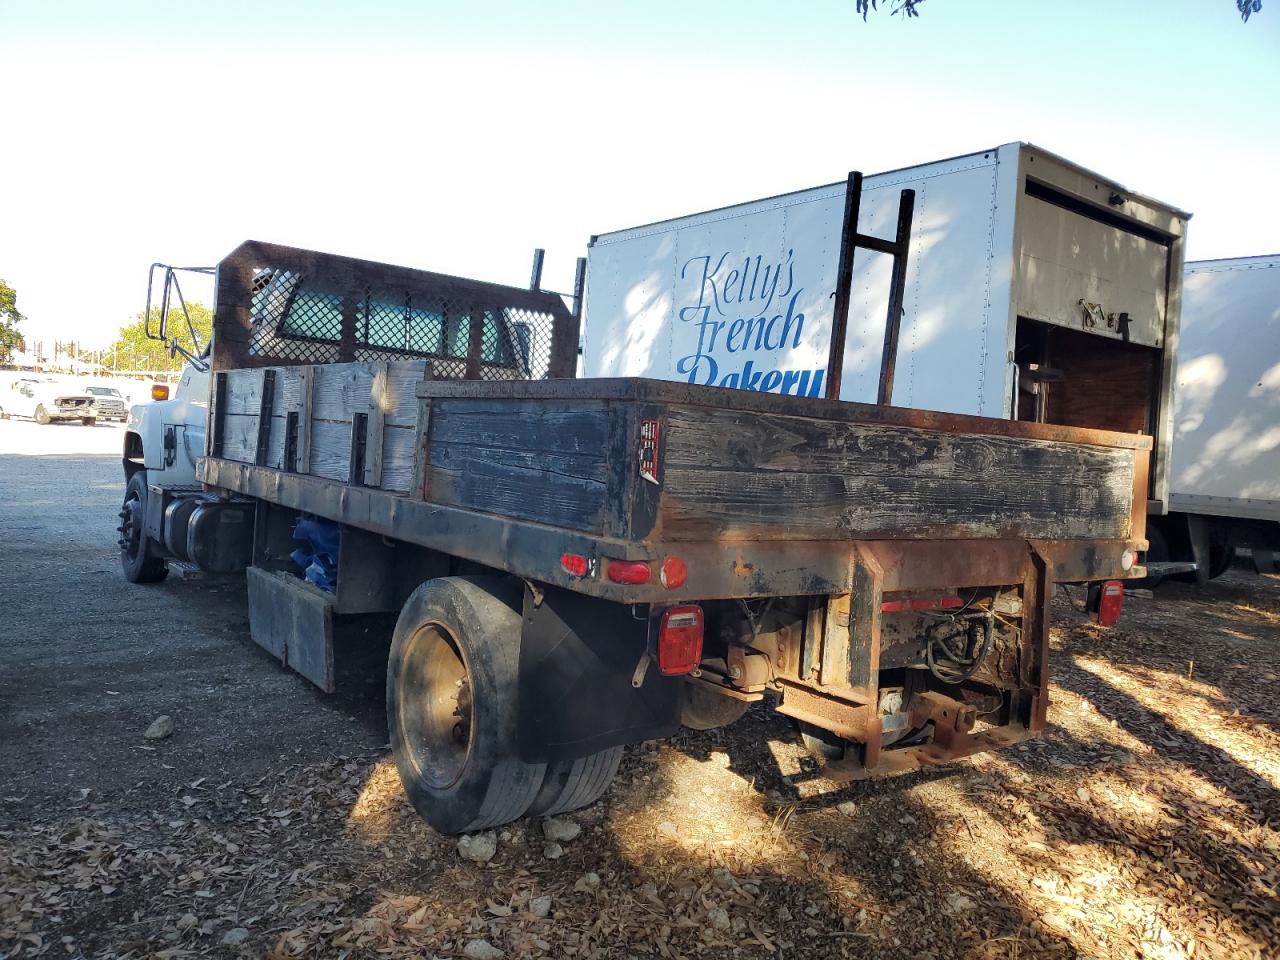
column 1225, row 466
column 1035, row 290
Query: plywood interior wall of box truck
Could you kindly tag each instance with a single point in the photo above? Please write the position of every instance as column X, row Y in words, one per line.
column 742, row 296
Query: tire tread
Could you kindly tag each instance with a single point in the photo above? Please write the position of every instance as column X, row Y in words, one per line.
column 581, row 782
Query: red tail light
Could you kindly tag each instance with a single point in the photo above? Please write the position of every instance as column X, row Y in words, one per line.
column 1110, row 603
column 680, row 640
column 674, row 573
column 574, row 564
column 628, row 571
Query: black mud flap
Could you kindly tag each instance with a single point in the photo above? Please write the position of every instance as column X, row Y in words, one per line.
column 293, row 620
column 578, row 656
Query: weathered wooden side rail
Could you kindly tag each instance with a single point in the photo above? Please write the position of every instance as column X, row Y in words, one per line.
column 723, row 465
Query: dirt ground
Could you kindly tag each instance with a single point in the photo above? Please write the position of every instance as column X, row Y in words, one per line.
column 272, row 824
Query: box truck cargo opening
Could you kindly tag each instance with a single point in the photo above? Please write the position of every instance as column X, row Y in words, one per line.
column 1035, row 290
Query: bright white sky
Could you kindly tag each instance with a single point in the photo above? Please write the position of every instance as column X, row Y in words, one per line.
column 458, row 137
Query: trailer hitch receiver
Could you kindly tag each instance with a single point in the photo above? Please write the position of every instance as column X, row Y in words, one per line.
column 951, row 719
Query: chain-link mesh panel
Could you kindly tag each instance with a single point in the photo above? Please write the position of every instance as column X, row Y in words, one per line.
column 531, row 338
column 293, row 323
column 300, row 318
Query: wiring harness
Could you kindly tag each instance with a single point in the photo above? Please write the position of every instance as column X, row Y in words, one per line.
column 955, row 648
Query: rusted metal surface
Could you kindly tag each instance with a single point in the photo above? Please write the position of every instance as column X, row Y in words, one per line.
column 928, row 564
column 850, row 240
column 349, row 286
column 951, row 719
column 891, row 762
column 1037, row 590
column 532, row 550
column 1017, row 667
column 716, row 569
column 842, row 717
column 897, row 290
column 1141, row 485
column 844, row 279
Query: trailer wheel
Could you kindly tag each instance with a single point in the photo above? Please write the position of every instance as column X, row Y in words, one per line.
column 451, row 704
column 703, row 709
column 573, row 784
column 138, row 555
column 42, row 416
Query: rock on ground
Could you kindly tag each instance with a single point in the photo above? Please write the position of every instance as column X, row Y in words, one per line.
column 478, row 847
column 235, row 936
column 560, row 829
column 161, row 727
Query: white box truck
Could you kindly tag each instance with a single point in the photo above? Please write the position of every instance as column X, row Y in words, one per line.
column 1035, row 290
column 1225, row 465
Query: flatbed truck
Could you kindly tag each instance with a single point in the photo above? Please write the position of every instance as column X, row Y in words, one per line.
column 576, row 565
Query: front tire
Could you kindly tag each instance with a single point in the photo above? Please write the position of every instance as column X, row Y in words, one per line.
column 42, row 416
column 452, row 704
column 88, row 421
column 139, row 557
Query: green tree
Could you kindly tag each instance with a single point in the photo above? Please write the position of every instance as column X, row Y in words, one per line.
column 10, row 338
column 134, row 350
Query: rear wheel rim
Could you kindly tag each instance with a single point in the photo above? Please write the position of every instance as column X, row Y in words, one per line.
column 438, row 735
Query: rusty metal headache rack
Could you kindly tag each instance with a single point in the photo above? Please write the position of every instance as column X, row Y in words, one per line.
column 282, row 305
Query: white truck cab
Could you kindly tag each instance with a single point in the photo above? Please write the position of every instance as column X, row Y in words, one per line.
column 167, row 436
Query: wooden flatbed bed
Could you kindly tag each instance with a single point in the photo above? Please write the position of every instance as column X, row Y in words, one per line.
column 766, row 492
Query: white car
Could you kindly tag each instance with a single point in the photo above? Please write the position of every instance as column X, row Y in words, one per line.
column 45, row 400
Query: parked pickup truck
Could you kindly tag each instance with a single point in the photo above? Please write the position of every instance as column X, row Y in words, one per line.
column 581, row 564
column 109, row 402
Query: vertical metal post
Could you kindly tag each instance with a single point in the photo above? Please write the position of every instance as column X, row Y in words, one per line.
column 844, row 279
column 535, row 281
column 579, row 286
column 897, row 290
column 564, row 334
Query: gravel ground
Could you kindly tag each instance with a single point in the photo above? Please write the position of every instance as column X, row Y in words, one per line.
column 271, row 823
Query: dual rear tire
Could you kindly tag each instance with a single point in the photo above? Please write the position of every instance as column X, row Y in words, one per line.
column 452, row 681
